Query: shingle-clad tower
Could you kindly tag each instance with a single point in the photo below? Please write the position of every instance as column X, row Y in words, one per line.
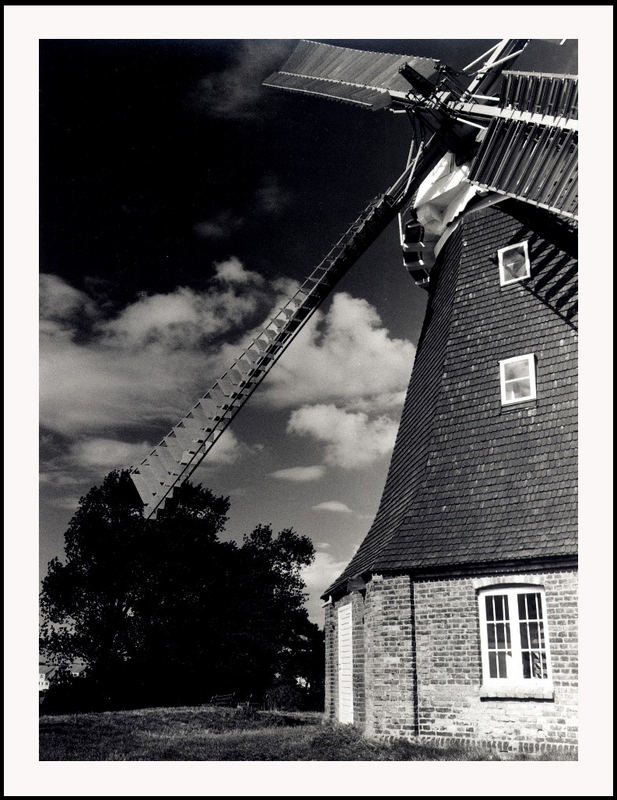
column 479, row 506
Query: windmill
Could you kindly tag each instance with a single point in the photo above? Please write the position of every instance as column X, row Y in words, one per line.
column 473, row 142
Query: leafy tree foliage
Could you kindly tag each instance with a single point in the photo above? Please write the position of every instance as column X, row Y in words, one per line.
column 163, row 611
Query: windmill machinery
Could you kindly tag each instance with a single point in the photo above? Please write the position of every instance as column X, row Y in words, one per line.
column 470, row 144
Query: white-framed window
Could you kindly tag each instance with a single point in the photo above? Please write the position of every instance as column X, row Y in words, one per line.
column 514, row 641
column 514, row 263
column 518, row 379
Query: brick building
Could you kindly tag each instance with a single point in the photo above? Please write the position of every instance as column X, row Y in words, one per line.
column 455, row 621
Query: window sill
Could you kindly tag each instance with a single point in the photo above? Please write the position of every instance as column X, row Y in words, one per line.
column 517, row 692
column 514, row 282
column 520, row 405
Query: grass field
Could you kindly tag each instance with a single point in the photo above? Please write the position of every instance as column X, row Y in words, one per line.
column 207, row 733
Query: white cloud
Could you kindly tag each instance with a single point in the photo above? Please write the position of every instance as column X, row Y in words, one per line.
column 333, row 505
column 351, row 439
column 387, row 401
column 108, row 453
column 346, row 355
column 271, row 197
column 236, row 91
column 183, row 318
column 57, row 477
column 233, row 271
column 324, row 569
column 60, row 301
column 85, row 388
column 286, row 287
column 116, row 454
column 150, row 362
column 228, row 450
column 300, row 474
column 64, row 503
column 220, row 226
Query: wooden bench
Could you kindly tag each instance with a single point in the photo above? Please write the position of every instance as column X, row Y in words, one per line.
column 222, row 699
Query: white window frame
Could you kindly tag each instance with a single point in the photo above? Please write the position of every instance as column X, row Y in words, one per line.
column 500, row 254
column 514, row 685
column 531, row 366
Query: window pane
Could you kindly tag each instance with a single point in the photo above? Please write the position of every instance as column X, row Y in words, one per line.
column 518, row 389
column 500, row 600
column 492, row 664
column 491, row 636
column 489, row 608
column 502, row 665
column 533, row 644
column 501, row 638
column 516, row 369
column 514, row 263
column 536, row 663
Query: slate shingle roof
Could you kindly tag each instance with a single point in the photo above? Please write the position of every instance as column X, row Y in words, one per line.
column 471, row 482
column 408, row 457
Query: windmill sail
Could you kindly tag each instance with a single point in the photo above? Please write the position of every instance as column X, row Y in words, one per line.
column 360, row 77
column 179, row 453
column 530, row 151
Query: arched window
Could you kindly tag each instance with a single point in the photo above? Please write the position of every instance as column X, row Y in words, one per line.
column 514, row 641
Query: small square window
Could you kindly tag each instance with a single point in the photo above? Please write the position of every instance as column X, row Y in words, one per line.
column 514, row 263
column 518, row 379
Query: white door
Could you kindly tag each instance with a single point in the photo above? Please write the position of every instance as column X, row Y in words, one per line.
column 345, row 665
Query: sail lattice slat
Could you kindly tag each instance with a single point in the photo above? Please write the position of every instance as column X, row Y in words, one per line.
column 540, row 93
column 531, row 162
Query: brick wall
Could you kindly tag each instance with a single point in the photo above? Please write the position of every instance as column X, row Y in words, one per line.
column 449, row 670
column 331, row 665
column 389, row 657
column 417, row 665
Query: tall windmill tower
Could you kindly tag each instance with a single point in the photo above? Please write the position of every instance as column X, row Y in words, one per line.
column 442, row 624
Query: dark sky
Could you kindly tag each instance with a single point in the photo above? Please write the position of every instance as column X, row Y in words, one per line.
column 177, row 198
column 142, row 140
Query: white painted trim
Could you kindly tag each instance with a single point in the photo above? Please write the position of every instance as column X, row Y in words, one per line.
column 504, row 580
column 511, row 113
column 500, row 254
column 515, row 685
column 531, row 369
column 345, row 664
